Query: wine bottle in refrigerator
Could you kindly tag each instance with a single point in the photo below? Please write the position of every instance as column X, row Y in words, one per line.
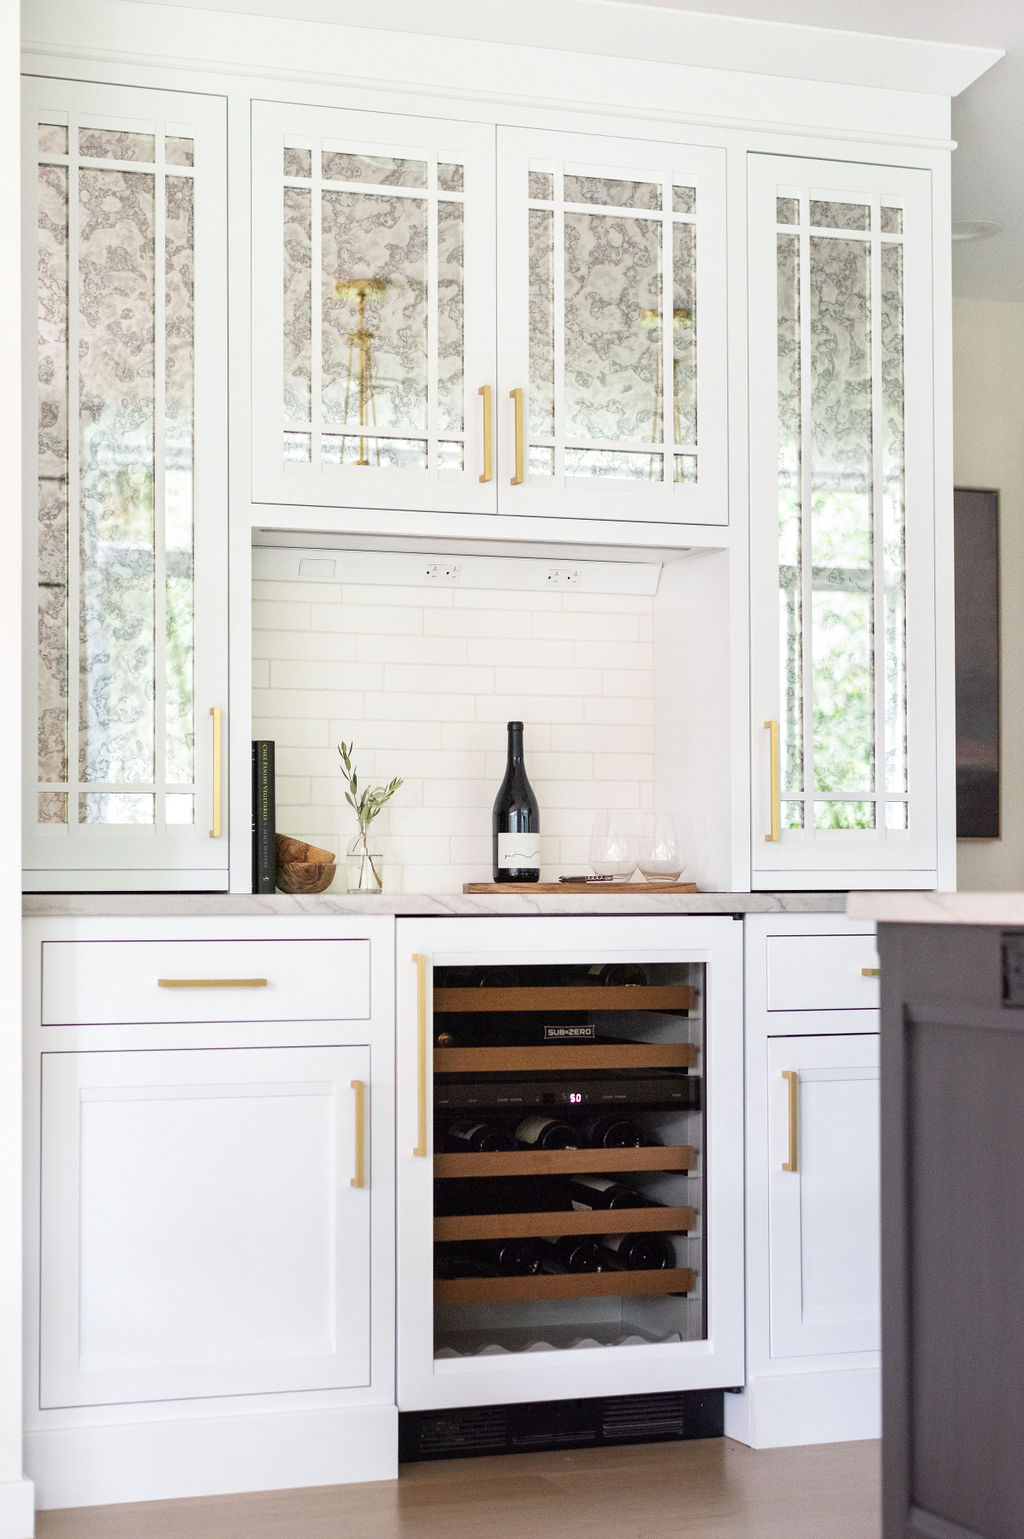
column 639, row 1252
column 541, row 1132
column 612, row 1130
column 590, row 1192
column 516, row 821
column 577, row 1253
column 474, row 1135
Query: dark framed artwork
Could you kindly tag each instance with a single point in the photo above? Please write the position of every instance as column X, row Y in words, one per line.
column 976, row 577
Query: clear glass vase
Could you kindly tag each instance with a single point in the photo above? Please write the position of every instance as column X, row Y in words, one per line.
column 364, row 863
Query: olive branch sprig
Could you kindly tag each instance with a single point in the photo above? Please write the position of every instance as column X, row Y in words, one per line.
column 366, row 803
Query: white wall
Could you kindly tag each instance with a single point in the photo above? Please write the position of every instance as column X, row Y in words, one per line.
column 988, row 374
column 424, row 681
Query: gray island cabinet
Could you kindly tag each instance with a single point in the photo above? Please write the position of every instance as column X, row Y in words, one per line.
column 952, row 1088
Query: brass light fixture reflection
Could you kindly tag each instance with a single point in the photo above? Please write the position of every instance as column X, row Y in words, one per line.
column 650, row 320
column 360, row 362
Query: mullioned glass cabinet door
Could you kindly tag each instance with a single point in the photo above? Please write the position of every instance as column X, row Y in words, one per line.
column 842, row 523
column 373, row 310
column 125, row 487
column 612, row 328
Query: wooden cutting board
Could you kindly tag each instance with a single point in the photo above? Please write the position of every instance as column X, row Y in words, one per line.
column 597, row 888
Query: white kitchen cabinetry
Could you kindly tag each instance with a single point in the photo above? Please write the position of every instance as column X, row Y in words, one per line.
column 687, row 1336
column 813, row 1305
column 844, row 523
column 212, row 1240
column 126, row 483
column 375, row 379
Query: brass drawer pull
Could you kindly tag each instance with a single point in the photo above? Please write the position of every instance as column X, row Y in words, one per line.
column 871, row 972
column 217, row 771
column 211, row 983
column 420, row 1151
column 791, row 1076
column 359, row 1179
column 774, row 791
column 485, row 392
column 516, row 395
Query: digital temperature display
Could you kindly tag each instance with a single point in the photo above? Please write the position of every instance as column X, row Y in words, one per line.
column 575, row 1097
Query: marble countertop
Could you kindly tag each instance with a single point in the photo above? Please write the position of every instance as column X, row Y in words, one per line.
column 996, row 908
column 198, row 904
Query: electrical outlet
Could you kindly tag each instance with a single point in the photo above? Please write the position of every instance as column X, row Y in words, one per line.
column 443, row 572
column 564, row 576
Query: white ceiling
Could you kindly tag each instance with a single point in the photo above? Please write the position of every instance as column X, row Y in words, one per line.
column 988, row 118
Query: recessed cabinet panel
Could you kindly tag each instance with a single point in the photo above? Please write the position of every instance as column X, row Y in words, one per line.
column 200, row 1235
column 842, row 526
column 611, row 328
column 373, row 309
column 823, row 1194
column 821, row 972
column 125, row 351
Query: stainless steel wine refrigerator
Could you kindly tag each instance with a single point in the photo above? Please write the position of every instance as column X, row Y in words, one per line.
column 570, row 1168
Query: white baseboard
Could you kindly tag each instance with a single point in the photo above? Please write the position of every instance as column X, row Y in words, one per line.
column 152, row 1461
column 17, row 1509
column 786, row 1410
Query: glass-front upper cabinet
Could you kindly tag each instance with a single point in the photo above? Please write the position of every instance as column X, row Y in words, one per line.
column 842, row 523
column 373, row 310
column 611, row 331
column 125, row 485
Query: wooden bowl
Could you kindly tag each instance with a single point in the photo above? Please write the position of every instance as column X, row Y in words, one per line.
column 304, row 876
column 290, row 850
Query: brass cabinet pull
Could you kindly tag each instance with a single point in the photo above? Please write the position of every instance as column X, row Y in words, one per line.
column 359, row 1179
column 420, row 1151
column 485, row 391
column 871, row 972
column 215, row 713
column 516, row 395
column 792, row 1076
column 211, row 983
column 774, row 789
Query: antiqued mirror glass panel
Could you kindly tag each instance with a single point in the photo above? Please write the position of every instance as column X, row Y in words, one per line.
column 613, row 341
column 841, row 530
column 374, row 294
column 115, row 469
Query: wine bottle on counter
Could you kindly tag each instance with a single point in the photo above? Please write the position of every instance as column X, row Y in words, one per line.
column 473, row 1135
column 516, row 820
column 639, row 1252
column 576, row 1253
column 612, row 1130
column 541, row 1132
column 590, row 1192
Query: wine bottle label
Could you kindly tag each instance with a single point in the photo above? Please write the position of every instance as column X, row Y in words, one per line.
column 516, row 851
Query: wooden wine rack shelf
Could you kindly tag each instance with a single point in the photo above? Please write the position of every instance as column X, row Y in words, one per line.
column 570, row 1285
column 628, row 996
column 560, row 1162
column 513, row 1226
column 589, row 1055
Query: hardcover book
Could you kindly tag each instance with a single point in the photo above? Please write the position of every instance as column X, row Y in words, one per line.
column 264, row 844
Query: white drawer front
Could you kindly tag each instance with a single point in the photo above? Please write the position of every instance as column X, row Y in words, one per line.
column 822, row 972
column 124, row 982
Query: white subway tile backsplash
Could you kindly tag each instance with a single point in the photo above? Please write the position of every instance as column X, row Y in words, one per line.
column 504, row 623
column 290, row 673
column 423, row 680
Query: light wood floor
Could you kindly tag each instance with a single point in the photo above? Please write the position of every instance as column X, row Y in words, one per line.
column 713, row 1489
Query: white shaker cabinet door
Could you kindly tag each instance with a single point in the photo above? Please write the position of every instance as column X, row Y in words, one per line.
column 823, row 1194
column 373, row 309
column 612, row 328
column 201, row 1232
column 847, row 524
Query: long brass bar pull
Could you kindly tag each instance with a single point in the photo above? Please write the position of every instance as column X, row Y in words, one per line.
column 792, row 1077
column 359, row 1179
column 420, row 1151
column 516, row 395
column 211, row 983
column 485, row 391
column 217, row 771
column 774, row 787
